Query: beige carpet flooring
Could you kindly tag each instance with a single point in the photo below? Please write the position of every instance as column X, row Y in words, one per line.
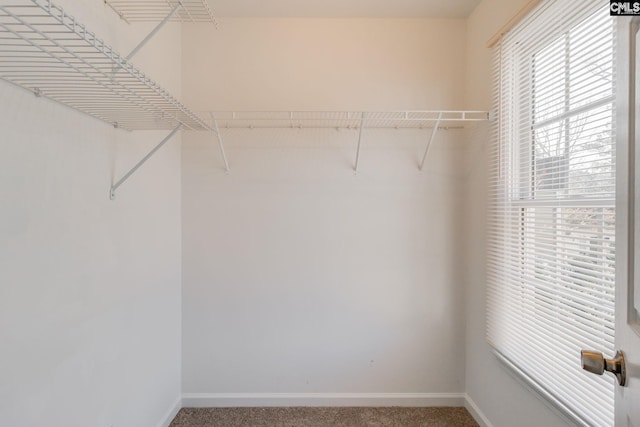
column 321, row 417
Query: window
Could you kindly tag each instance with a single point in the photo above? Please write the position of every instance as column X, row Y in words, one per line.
column 551, row 255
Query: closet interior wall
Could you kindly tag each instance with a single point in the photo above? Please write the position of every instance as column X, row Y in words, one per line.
column 300, row 276
column 90, row 295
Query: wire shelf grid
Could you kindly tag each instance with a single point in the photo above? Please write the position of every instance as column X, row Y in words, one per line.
column 45, row 50
column 346, row 119
column 157, row 10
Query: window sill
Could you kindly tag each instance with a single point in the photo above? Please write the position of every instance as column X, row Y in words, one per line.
column 566, row 413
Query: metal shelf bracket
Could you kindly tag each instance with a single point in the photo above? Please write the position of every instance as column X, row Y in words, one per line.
column 114, row 187
column 431, row 121
column 219, row 138
column 355, row 167
column 155, row 30
column 433, row 135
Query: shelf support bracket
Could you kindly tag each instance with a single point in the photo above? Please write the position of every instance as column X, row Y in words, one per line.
column 433, row 135
column 155, row 30
column 216, row 130
column 355, row 168
column 114, row 187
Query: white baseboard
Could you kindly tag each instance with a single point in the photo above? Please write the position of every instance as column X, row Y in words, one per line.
column 221, row 400
column 171, row 414
column 476, row 413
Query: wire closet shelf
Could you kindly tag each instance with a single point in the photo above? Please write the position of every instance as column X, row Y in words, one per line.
column 157, row 10
column 433, row 120
column 45, row 50
column 346, row 119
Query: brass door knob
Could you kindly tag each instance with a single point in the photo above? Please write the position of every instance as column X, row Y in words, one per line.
column 594, row 362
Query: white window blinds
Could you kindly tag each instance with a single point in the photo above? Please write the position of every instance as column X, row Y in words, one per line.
column 551, row 257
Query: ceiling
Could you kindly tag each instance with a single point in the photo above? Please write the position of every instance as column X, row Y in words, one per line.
column 344, row 8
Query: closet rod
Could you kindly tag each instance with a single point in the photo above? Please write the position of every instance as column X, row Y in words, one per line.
column 415, row 119
column 360, row 120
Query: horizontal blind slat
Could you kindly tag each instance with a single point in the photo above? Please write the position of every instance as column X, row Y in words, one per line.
column 551, row 218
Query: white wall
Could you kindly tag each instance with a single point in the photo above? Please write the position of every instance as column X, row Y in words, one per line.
column 503, row 400
column 334, row 64
column 89, row 288
column 299, row 277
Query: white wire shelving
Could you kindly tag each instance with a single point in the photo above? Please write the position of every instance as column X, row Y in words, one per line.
column 347, row 119
column 357, row 120
column 45, row 50
column 157, row 10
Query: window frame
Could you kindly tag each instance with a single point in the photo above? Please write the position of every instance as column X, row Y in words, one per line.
column 521, row 193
